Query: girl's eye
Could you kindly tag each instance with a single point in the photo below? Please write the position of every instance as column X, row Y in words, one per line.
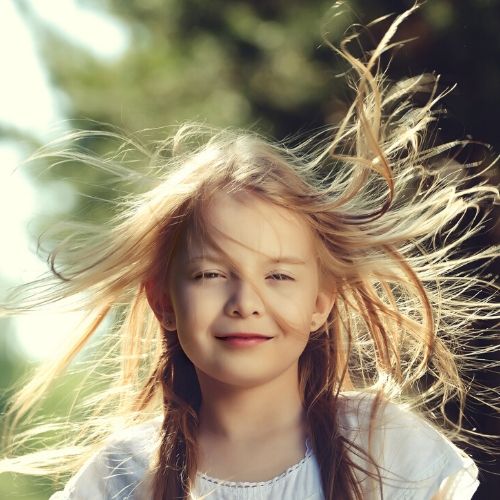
column 207, row 275
column 281, row 277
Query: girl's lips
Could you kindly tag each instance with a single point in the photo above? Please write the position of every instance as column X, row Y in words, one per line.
column 239, row 341
column 244, row 336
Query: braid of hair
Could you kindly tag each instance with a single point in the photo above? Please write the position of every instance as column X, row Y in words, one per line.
column 177, row 454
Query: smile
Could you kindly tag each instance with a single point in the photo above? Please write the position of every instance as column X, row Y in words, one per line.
column 238, row 341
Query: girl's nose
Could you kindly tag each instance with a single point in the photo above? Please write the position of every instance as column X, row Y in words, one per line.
column 244, row 300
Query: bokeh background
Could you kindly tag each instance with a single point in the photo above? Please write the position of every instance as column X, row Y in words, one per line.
column 68, row 64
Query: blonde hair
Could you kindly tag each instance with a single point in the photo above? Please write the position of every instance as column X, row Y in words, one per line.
column 390, row 216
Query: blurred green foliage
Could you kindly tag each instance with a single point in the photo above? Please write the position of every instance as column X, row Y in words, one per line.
column 260, row 64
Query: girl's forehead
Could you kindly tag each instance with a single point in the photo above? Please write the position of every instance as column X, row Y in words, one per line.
column 245, row 221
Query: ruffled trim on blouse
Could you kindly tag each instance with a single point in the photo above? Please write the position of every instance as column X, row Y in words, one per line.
column 250, row 484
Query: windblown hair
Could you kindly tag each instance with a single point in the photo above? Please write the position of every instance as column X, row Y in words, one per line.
column 389, row 214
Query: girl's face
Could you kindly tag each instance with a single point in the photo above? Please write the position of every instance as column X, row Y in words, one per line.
column 269, row 286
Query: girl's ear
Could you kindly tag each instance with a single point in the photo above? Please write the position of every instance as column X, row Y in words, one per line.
column 324, row 304
column 161, row 305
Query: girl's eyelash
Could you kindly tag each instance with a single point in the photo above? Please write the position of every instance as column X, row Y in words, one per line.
column 282, row 277
column 207, row 275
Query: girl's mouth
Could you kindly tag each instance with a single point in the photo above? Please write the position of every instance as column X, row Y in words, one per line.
column 240, row 341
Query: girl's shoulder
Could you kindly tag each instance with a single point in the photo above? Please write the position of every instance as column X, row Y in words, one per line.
column 407, row 449
column 119, row 468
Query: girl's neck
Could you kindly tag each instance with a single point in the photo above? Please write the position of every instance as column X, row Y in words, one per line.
column 252, row 434
column 235, row 415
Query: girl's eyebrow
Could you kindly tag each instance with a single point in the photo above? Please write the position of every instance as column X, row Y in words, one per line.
column 276, row 260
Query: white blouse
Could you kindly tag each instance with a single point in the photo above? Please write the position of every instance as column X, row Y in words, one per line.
column 416, row 462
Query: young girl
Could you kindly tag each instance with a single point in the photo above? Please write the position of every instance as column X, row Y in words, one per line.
column 290, row 320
